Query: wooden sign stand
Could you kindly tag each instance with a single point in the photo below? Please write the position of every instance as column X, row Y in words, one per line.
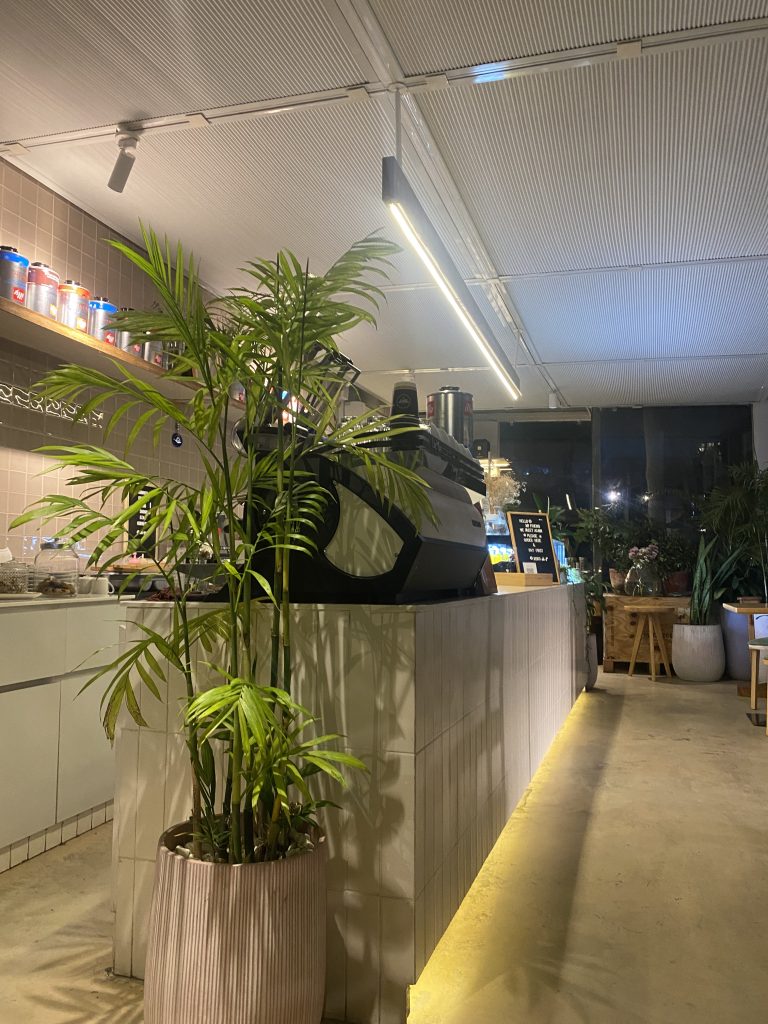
column 524, row 579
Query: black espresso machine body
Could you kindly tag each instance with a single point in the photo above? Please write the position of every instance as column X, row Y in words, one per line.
column 368, row 551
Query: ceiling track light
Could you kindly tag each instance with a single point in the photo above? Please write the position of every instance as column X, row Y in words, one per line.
column 127, row 143
column 424, row 240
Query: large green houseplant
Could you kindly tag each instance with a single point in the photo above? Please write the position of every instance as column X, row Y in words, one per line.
column 738, row 513
column 276, row 342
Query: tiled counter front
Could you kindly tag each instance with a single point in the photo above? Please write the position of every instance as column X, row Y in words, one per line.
column 452, row 706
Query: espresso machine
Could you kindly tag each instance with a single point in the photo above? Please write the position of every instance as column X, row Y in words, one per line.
column 367, row 549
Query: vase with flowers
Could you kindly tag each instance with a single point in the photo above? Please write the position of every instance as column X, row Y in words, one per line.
column 643, row 577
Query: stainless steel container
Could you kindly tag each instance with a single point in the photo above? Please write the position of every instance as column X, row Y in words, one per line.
column 451, row 410
column 43, row 289
column 100, row 313
column 125, row 338
column 154, row 353
column 73, row 305
column 13, row 274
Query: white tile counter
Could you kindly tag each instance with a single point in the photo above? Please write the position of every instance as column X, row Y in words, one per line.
column 452, row 705
column 56, row 763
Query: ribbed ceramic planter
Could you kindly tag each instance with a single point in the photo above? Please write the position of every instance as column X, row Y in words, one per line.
column 235, row 944
column 698, row 654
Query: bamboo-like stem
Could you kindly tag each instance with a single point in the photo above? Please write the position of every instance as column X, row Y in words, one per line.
column 192, row 743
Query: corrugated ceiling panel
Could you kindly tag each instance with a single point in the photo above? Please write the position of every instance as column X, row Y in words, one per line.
column 308, row 180
column 482, row 384
column 719, row 308
column 434, row 35
column 80, row 63
column 663, row 382
column 418, row 329
column 658, row 159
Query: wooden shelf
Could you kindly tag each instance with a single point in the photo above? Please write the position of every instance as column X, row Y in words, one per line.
column 39, row 333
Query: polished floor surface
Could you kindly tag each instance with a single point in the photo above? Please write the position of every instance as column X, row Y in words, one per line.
column 629, row 887
column 631, row 884
column 56, row 939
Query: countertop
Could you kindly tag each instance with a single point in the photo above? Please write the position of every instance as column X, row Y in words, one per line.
column 57, row 602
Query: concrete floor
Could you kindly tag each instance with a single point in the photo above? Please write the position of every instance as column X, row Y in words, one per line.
column 56, row 939
column 629, row 887
column 631, row 884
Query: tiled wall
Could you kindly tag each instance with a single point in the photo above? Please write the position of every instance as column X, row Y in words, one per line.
column 43, row 226
column 24, row 429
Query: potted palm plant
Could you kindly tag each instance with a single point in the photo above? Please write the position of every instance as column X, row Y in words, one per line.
column 237, row 926
column 698, row 654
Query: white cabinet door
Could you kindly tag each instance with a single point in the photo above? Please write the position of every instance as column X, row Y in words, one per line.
column 32, row 643
column 93, row 636
column 29, row 742
column 86, row 759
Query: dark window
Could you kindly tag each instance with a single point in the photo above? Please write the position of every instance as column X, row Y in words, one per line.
column 666, row 459
column 655, row 461
column 552, row 459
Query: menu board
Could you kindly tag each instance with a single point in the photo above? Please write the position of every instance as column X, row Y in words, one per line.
column 532, row 541
column 137, row 525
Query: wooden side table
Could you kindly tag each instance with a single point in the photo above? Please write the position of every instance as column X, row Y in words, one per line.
column 649, row 615
column 620, row 621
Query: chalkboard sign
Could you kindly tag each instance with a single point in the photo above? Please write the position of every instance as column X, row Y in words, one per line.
column 532, row 541
column 137, row 525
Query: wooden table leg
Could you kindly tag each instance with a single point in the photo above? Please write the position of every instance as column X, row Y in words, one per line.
column 754, row 675
column 652, row 647
column 663, row 649
column 636, row 645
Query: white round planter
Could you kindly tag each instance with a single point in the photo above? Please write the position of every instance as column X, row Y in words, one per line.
column 236, row 944
column 698, row 654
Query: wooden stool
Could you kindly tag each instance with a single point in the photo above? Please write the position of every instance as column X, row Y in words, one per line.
column 650, row 614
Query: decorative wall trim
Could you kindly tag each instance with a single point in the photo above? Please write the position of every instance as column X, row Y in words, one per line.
column 23, row 398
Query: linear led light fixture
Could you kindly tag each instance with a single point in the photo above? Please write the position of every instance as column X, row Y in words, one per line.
column 417, row 228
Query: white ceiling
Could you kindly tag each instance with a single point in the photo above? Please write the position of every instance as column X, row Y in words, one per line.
column 618, row 210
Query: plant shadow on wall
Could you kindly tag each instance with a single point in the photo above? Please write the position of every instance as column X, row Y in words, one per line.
column 274, row 342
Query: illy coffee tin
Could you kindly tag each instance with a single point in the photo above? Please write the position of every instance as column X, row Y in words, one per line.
column 125, row 338
column 155, row 353
column 13, row 274
column 100, row 313
column 73, row 305
column 42, row 289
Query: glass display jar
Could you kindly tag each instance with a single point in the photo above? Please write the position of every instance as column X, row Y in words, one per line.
column 56, row 570
column 14, row 577
column 642, row 581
